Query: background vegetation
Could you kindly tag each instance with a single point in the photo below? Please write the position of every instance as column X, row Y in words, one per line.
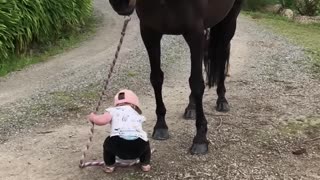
column 27, row 27
column 305, row 35
column 258, row 4
column 303, row 7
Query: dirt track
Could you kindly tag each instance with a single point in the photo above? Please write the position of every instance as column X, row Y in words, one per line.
column 275, row 109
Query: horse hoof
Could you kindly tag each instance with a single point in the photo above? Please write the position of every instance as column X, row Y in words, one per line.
column 222, row 106
column 189, row 114
column 199, row 149
column 160, row 134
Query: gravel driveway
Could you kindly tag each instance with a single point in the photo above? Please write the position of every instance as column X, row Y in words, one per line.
column 271, row 132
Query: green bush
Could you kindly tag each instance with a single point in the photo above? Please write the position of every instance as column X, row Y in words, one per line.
column 287, row 3
column 27, row 22
column 308, row 7
column 257, row 4
column 303, row 7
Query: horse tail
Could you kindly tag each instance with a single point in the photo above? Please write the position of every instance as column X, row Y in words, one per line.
column 206, row 53
column 216, row 59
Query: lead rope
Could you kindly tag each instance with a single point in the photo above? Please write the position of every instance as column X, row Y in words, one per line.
column 84, row 164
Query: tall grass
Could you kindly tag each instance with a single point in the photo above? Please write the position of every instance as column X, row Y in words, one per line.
column 24, row 23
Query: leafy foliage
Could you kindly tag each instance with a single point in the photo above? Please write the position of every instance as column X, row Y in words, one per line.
column 287, row 3
column 303, row 7
column 308, row 7
column 257, row 4
column 27, row 22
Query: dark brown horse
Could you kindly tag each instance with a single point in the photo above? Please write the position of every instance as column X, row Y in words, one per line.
column 189, row 18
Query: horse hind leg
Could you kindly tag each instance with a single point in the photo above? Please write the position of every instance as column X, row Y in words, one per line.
column 228, row 73
column 190, row 111
column 219, row 53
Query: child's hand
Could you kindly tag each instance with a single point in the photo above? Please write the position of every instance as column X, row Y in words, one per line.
column 100, row 120
column 92, row 117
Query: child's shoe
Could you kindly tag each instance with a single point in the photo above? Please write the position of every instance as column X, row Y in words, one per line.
column 109, row 169
column 146, row 168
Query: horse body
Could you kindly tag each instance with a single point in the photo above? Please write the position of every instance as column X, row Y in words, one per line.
column 216, row 11
column 189, row 18
column 176, row 16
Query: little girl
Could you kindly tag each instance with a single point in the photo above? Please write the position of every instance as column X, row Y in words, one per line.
column 127, row 139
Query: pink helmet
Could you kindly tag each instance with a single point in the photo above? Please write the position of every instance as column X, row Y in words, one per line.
column 126, row 96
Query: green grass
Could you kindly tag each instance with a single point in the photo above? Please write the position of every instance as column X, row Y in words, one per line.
column 309, row 127
column 307, row 36
column 74, row 101
column 46, row 51
column 131, row 74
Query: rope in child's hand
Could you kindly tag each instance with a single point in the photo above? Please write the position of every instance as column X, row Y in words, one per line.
column 119, row 162
column 97, row 163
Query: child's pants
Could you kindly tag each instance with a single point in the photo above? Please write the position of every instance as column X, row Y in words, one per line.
column 126, row 149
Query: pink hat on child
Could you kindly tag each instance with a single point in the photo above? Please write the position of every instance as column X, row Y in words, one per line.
column 126, row 96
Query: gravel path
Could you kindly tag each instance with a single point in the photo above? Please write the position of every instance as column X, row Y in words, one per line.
column 275, row 110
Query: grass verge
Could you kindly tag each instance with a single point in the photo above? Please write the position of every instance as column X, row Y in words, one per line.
column 44, row 51
column 305, row 35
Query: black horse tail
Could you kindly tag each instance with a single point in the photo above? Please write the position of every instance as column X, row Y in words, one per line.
column 216, row 58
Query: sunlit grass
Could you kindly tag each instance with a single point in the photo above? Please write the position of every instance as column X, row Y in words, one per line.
column 305, row 35
column 69, row 41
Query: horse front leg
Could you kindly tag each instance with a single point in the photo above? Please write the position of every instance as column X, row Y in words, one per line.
column 195, row 40
column 151, row 41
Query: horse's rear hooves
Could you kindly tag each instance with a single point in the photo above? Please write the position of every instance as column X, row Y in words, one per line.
column 160, row 134
column 199, row 149
column 222, row 106
column 189, row 113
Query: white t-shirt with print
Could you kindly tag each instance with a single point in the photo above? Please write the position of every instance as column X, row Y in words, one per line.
column 127, row 123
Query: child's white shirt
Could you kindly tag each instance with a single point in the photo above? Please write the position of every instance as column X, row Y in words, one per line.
column 127, row 123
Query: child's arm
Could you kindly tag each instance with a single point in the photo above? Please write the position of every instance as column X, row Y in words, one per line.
column 100, row 120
